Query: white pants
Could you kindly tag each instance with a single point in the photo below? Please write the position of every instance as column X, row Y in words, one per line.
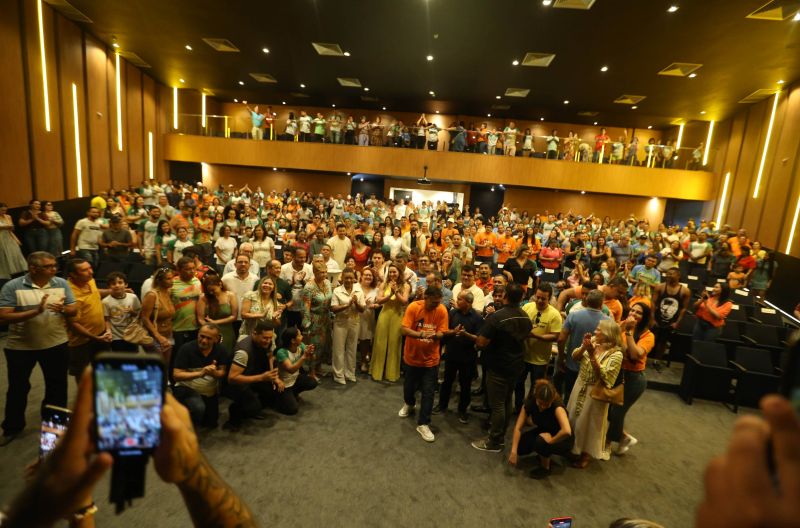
column 257, row 133
column 345, row 341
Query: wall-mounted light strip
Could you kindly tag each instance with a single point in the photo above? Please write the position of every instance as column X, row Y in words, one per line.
column 119, row 103
column 150, row 153
column 680, row 136
column 204, row 110
column 708, row 142
column 722, row 199
column 78, row 170
column 766, row 144
column 44, row 67
column 175, row 107
column 793, row 226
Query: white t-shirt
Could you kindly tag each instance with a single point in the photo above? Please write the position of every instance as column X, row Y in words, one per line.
column 90, row 233
column 121, row 313
column 478, row 299
column 226, row 248
column 339, row 249
column 305, row 124
column 239, row 287
column 262, row 251
column 177, row 246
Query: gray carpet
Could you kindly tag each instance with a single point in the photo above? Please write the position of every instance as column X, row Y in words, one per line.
column 347, row 460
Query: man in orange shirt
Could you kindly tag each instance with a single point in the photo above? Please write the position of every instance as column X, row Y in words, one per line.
column 484, row 246
column 616, row 288
column 504, row 244
column 424, row 325
column 450, row 230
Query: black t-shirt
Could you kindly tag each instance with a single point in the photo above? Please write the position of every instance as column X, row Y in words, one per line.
column 189, row 356
column 506, row 330
column 521, row 274
column 545, row 421
column 252, row 358
column 462, row 349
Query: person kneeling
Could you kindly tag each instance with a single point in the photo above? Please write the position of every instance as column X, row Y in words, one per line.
column 253, row 381
column 551, row 433
column 291, row 357
column 199, row 365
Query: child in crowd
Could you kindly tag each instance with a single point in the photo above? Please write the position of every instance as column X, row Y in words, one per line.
column 120, row 309
column 737, row 278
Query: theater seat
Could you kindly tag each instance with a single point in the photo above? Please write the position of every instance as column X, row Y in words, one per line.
column 680, row 343
column 756, row 376
column 706, row 373
column 766, row 316
column 765, row 338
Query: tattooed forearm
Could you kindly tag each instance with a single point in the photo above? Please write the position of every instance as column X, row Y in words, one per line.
column 210, row 501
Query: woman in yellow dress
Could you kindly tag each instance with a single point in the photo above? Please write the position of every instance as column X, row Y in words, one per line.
column 392, row 297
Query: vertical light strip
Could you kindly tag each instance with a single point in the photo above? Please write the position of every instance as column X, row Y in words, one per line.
column 680, row 136
column 78, row 169
column 794, row 226
column 204, row 110
column 708, row 142
column 722, row 199
column 175, row 107
column 766, row 144
column 44, row 67
column 119, row 103
column 150, row 152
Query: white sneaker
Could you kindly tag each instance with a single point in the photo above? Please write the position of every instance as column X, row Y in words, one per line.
column 405, row 410
column 625, row 444
column 425, row 432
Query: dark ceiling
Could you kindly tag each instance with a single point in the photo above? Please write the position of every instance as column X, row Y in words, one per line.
column 473, row 43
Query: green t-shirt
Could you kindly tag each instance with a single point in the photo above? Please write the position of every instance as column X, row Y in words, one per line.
column 185, row 296
column 319, row 126
column 282, row 354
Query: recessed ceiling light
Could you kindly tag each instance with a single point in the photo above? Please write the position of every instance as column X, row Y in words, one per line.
column 265, row 50
column 672, row 9
column 497, row 97
column 346, row 54
column 302, row 85
column 797, row 17
column 566, row 101
column 515, row 62
column 383, row 108
column 115, row 44
column 692, row 75
column 244, row 101
column 283, row 102
column 188, row 47
column 634, row 107
column 604, row 69
column 366, row 89
column 429, row 58
column 488, row 115
column 649, row 127
column 333, row 105
column 348, row 174
column 781, row 81
column 181, row 80
column 274, row 168
column 583, row 192
column 361, row 179
column 431, row 92
column 702, row 112
column 595, row 123
column 235, row 100
column 541, row 119
column 546, row 3
column 437, row 111
column 241, row 83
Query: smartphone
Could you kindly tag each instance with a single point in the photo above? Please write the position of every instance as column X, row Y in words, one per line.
column 561, row 522
column 54, row 424
column 128, row 397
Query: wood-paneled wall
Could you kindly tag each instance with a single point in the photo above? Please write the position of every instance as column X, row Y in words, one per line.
column 268, row 179
column 768, row 217
column 43, row 164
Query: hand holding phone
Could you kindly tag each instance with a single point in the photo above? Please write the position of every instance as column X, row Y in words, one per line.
column 54, row 424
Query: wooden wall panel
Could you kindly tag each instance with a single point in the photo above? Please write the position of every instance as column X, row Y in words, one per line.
column 48, row 166
column 164, row 127
column 732, row 153
column 70, row 69
column 134, row 128
column 743, row 176
column 119, row 159
column 149, row 123
column 267, row 179
column 98, row 115
column 14, row 151
column 755, row 207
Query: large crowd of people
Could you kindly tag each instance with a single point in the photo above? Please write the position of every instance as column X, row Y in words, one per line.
column 459, row 136
column 258, row 296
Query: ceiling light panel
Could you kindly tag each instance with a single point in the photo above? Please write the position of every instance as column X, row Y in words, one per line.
column 221, row 44
column 299, row 94
column 758, row 95
column 328, row 49
column 680, row 69
column 540, row 60
column 517, row 92
column 573, row 4
column 629, row 99
column 501, row 107
column 263, row 77
column 369, row 98
column 776, row 10
column 588, row 113
column 349, row 82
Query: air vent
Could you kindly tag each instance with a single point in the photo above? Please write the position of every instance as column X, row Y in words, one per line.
column 263, row 77
column 680, row 69
column 220, row 44
column 758, row 95
column 349, row 82
column 501, row 107
column 629, row 99
column 328, row 49
column 589, row 113
column 776, row 10
column 517, row 92
column 133, row 59
column 300, row 95
column 574, row 4
column 369, row 98
column 69, row 11
column 540, row 60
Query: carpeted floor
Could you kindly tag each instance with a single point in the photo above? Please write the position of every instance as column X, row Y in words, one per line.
column 347, row 460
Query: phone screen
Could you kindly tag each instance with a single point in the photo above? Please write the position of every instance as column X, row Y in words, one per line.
column 561, row 522
column 129, row 395
column 54, row 424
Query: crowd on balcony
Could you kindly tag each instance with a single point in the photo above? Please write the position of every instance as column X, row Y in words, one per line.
column 460, row 137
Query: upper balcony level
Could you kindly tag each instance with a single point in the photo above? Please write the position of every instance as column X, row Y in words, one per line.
column 451, row 166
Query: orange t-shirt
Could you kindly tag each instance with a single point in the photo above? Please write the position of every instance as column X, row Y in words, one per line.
column 615, row 307
column 481, row 238
column 419, row 352
column 644, row 300
column 505, row 248
column 646, row 342
column 723, row 311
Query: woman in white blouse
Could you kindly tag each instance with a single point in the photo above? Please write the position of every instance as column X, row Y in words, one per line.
column 395, row 243
column 347, row 304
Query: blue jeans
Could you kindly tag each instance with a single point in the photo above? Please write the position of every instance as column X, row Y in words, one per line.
column 424, row 379
column 704, row 331
column 635, row 384
column 89, row 255
column 36, row 239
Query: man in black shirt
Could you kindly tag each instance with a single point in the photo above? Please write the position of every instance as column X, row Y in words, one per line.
column 199, row 367
column 502, row 338
column 253, row 379
column 460, row 355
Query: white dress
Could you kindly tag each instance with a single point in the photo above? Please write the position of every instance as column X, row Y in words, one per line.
column 589, row 417
column 367, row 328
column 11, row 259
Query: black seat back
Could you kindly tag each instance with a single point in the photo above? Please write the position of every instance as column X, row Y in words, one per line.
column 762, row 334
column 755, row 360
column 711, row 354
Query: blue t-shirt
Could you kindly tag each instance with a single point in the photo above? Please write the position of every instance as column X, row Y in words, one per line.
column 258, row 119
column 578, row 324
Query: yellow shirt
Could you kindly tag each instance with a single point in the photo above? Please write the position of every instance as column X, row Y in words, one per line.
column 538, row 352
column 90, row 312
